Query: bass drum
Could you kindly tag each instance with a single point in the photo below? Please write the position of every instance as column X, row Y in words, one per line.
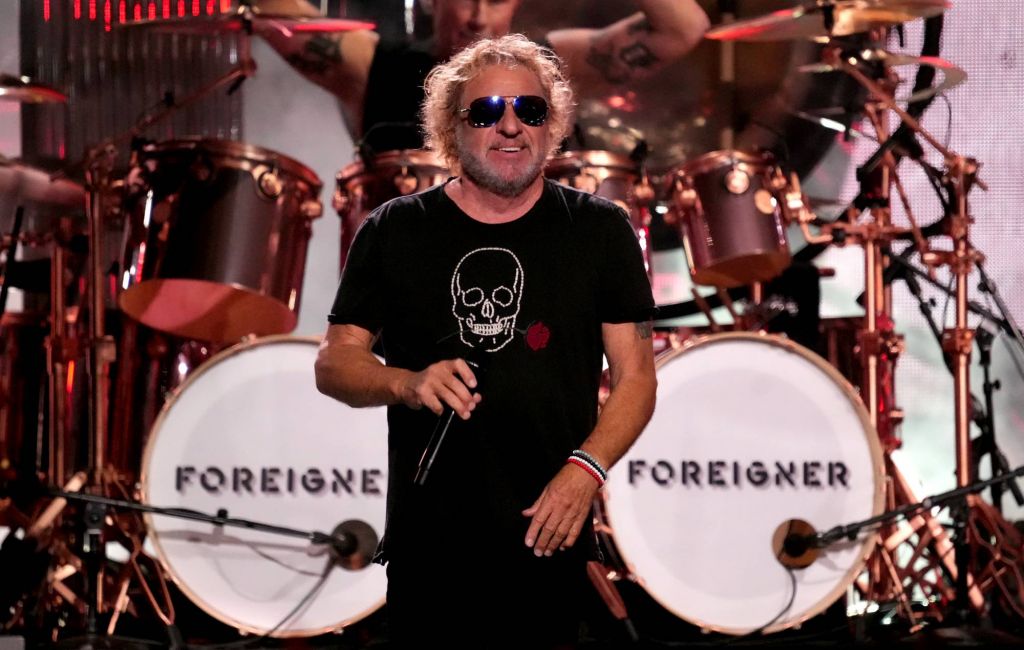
column 751, row 432
column 249, row 434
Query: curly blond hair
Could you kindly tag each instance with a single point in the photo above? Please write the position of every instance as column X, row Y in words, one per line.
column 443, row 89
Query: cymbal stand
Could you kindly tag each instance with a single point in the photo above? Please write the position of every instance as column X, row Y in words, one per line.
column 101, row 349
column 914, row 557
column 982, row 526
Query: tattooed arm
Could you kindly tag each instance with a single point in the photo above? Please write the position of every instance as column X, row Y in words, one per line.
column 339, row 63
column 633, row 47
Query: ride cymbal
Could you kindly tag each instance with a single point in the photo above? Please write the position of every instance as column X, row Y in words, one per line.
column 280, row 16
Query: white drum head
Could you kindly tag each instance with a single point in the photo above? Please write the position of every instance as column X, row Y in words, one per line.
column 250, row 434
column 749, row 431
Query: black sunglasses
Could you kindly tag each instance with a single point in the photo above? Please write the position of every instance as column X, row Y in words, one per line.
column 486, row 111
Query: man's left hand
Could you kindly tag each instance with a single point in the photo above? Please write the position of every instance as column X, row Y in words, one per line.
column 560, row 513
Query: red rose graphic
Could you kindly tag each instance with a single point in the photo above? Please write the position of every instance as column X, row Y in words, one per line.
column 537, row 336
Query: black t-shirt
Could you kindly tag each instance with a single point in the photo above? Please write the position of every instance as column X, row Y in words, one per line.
column 526, row 299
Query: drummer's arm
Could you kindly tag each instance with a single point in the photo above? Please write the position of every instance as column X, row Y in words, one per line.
column 347, row 370
column 339, row 62
column 634, row 47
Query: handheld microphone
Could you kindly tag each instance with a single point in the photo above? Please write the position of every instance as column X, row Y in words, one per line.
column 444, row 422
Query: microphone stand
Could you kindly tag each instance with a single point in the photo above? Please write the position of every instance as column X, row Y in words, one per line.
column 850, row 531
column 961, row 505
column 1008, row 323
column 345, row 542
column 351, row 544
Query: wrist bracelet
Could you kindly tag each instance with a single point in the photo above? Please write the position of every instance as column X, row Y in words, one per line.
column 585, row 466
column 582, row 455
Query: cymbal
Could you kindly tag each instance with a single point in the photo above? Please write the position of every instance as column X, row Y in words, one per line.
column 951, row 76
column 235, row 22
column 811, row 20
column 25, row 184
column 23, row 89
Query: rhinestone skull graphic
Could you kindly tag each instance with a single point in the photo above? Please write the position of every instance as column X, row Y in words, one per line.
column 487, row 287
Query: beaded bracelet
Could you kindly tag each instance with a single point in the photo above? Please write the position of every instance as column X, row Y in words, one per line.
column 579, row 453
column 589, row 463
column 579, row 462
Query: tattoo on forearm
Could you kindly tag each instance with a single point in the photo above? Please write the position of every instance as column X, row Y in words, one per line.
column 637, row 55
column 616, row 62
column 644, row 330
column 602, row 59
column 320, row 55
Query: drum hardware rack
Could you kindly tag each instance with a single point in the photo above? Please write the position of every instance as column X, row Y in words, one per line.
column 969, row 513
column 983, row 525
column 61, row 345
column 350, row 545
column 981, row 413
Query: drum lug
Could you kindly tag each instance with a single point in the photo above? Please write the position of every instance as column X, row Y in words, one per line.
column 643, row 191
column 340, row 201
column 405, row 182
column 312, row 209
column 737, row 181
column 270, row 184
column 686, row 196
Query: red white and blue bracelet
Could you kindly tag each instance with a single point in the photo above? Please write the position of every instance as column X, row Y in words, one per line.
column 588, row 463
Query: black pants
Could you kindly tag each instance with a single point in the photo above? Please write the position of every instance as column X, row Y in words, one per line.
column 484, row 601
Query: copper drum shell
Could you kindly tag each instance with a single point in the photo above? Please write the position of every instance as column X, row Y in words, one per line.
column 612, row 176
column 731, row 221
column 22, row 394
column 363, row 186
column 216, row 237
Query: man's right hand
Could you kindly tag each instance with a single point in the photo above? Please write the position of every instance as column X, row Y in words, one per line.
column 445, row 382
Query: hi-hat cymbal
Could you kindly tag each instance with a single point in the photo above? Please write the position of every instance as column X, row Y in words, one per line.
column 23, row 89
column 235, row 22
column 827, row 18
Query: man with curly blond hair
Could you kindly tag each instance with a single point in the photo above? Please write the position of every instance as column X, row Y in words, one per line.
column 495, row 296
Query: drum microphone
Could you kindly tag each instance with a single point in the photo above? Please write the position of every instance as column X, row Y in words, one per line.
column 796, row 544
column 351, row 544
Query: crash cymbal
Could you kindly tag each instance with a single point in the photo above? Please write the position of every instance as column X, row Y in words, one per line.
column 23, row 89
column 284, row 19
column 24, row 184
column 827, row 18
